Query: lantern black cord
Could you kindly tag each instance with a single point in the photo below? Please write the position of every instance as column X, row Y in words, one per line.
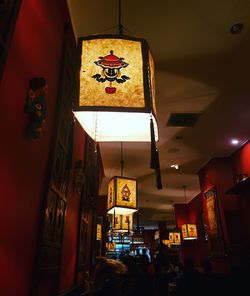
column 184, row 189
column 120, row 27
column 154, row 162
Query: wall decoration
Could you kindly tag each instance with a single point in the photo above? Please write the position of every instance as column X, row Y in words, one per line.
column 214, row 223
column 36, row 105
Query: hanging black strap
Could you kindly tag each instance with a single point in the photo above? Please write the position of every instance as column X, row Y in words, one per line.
column 154, row 162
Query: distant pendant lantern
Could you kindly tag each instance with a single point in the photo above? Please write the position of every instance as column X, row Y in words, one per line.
column 122, row 223
column 117, row 89
column 174, row 235
column 166, row 242
column 122, row 196
column 189, row 231
column 174, row 238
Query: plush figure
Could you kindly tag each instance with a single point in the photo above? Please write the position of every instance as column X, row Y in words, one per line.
column 36, row 105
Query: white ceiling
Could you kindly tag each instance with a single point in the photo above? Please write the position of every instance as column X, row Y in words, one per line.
column 200, row 68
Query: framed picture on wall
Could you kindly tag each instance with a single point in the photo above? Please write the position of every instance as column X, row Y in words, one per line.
column 214, row 223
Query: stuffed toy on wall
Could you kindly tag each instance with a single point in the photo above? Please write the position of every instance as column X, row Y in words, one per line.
column 36, row 105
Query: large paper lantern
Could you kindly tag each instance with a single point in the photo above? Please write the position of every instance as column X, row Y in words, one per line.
column 116, row 88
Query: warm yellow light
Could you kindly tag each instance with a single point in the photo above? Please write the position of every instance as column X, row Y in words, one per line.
column 122, row 196
column 114, row 126
column 98, row 232
column 189, row 231
column 111, row 246
column 122, row 223
column 166, row 242
column 116, row 89
column 175, row 238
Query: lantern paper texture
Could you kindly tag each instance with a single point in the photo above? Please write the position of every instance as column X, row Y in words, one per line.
column 111, row 191
column 98, row 231
column 93, row 93
column 189, row 231
column 122, row 222
column 175, row 238
column 127, row 222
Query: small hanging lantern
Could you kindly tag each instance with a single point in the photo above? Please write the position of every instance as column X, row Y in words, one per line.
column 174, row 235
column 122, row 196
column 117, row 89
column 174, row 238
column 122, row 223
column 166, row 242
column 189, row 231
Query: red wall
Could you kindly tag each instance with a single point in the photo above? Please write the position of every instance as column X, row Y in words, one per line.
column 233, row 212
column 196, row 250
column 35, row 50
column 241, row 164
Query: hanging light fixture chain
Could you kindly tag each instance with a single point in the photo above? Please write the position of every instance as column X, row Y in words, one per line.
column 185, row 196
column 120, row 27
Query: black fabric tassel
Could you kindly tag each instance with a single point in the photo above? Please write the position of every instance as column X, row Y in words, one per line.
column 154, row 152
column 158, row 174
column 154, row 162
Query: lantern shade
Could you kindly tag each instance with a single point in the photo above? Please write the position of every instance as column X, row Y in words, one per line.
column 174, row 238
column 98, row 232
column 110, row 246
column 189, row 231
column 122, row 223
column 116, row 89
column 122, row 196
column 166, row 242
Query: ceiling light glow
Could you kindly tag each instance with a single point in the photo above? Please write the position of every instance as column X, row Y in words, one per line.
column 235, row 141
column 176, row 166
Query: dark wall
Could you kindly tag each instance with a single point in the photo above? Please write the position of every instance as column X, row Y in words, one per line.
column 71, row 227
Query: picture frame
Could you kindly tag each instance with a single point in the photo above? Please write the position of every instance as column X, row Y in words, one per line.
column 214, row 229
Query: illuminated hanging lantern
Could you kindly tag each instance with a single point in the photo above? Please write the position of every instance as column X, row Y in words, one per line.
column 122, row 196
column 166, row 242
column 189, row 231
column 110, row 246
column 122, row 223
column 174, row 238
column 174, row 235
column 117, row 89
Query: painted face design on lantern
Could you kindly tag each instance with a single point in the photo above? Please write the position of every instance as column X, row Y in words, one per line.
column 125, row 193
column 111, row 71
